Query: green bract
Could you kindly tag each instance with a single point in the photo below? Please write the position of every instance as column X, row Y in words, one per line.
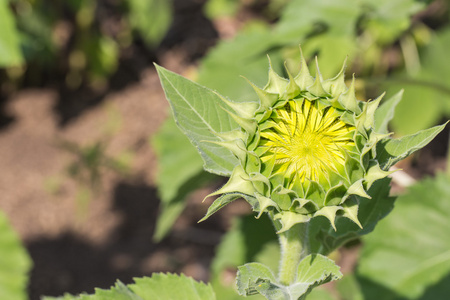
column 306, row 149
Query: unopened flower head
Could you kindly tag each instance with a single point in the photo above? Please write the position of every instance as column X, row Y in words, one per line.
column 305, row 142
column 307, row 148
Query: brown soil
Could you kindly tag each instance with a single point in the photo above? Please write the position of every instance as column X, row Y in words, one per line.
column 75, row 246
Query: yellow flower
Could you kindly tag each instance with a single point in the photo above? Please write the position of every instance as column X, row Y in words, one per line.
column 305, row 141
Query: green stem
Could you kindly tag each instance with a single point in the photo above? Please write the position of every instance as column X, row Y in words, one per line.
column 294, row 246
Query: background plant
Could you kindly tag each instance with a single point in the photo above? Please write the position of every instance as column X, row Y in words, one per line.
column 68, row 38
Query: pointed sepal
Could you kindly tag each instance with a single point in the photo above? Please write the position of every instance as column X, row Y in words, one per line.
column 374, row 173
column 304, row 206
column 264, row 203
column 303, row 78
column 292, row 89
column 348, row 99
column 266, row 99
column 336, row 85
column 289, row 219
column 232, row 135
column 316, row 88
column 366, row 119
column 350, row 208
column 357, row 188
column 276, row 84
column 243, row 109
column 237, row 147
column 335, row 194
column 249, row 125
column 219, row 203
column 329, row 212
column 239, row 182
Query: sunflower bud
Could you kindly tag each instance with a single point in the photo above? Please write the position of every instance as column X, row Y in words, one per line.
column 306, row 149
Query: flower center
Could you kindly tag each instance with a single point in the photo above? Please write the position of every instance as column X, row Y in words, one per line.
column 305, row 142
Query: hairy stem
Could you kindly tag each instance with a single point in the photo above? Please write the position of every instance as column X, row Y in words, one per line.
column 294, row 246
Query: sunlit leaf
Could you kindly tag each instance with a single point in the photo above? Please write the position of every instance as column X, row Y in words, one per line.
column 388, row 19
column 14, row 263
column 391, row 151
column 159, row 286
column 179, row 173
column 198, row 112
column 221, row 8
column 385, row 113
column 427, row 93
column 151, row 18
column 313, row 270
column 249, row 239
column 409, row 253
column 10, row 52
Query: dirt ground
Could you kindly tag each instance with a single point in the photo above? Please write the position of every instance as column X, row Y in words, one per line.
column 75, row 252
column 76, row 249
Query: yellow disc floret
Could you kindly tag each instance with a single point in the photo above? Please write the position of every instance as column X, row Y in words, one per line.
column 305, row 141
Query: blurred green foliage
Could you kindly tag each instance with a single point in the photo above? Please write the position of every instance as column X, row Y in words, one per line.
column 82, row 39
column 10, row 53
column 173, row 190
column 14, row 263
column 427, row 88
column 151, row 18
column 407, row 256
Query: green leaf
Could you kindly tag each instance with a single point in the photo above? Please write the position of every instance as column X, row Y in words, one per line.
column 151, row 18
column 246, row 241
column 255, row 278
column 321, row 294
column 348, row 288
column 221, row 8
column 10, row 52
column 158, row 287
column 409, row 250
column 324, row 239
column 411, row 113
column 313, row 270
column 179, row 174
column 392, row 151
column 198, row 112
column 175, row 167
column 219, row 203
column 385, row 113
column 427, row 93
column 171, row 286
column 323, row 27
column 103, row 54
column 14, row 263
column 249, row 239
column 388, row 19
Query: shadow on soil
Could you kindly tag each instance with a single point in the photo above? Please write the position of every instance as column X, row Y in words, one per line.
column 70, row 264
